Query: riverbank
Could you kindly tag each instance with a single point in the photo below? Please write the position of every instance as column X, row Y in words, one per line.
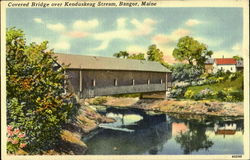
column 202, row 107
column 71, row 141
column 88, row 119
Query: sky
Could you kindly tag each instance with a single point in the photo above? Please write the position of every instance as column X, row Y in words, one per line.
column 105, row 31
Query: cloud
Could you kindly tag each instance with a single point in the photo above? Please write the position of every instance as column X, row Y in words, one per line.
column 139, row 28
column 81, row 25
column 56, row 27
column 61, row 46
column 209, row 42
column 133, row 49
column 192, row 22
column 170, row 38
column 77, row 34
column 143, row 28
column 121, row 23
column 237, row 47
column 38, row 20
column 161, row 39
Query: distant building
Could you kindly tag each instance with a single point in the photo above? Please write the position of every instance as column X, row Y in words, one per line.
column 91, row 76
column 209, row 65
column 225, row 64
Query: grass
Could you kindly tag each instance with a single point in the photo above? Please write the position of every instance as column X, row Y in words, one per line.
column 237, row 84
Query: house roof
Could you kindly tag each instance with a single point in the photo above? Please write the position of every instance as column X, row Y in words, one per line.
column 107, row 63
column 224, row 61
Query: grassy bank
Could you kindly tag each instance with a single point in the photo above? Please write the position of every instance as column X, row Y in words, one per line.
column 227, row 90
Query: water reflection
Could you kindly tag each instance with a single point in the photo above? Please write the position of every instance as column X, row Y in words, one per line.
column 138, row 132
column 194, row 139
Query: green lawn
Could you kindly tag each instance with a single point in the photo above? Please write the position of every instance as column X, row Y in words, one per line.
column 237, row 84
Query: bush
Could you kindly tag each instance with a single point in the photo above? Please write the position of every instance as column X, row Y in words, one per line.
column 189, row 94
column 204, row 94
column 185, row 72
column 99, row 101
column 230, row 95
column 178, row 92
column 35, row 100
column 16, row 139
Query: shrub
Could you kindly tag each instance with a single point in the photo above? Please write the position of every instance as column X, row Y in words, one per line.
column 16, row 139
column 189, row 94
column 204, row 94
column 99, row 101
column 185, row 72
column 177, row 92
column 35, row 100
column 220, row 79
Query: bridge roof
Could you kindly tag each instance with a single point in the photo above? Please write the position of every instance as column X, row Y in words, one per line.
column 108, row 63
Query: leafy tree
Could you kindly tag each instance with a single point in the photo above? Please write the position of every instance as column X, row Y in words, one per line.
column 155, row 54
column 192, row 51
column 123, row 54
column 237, row 58
column 139, row 56
column 35, row 100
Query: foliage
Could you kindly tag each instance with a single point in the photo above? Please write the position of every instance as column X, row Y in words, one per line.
column 35, row 100
column 154, row 54
column 16, row 139
column 185, row 72
column 237, row 58
column 204, row 94
column 139, row 56
column 189, row 94
column 230, row 90
column 178, row 92
column 192, row 51
column 99, row 101
column 121, row 54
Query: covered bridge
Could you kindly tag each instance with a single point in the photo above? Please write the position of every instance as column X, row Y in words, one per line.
column 91, row 76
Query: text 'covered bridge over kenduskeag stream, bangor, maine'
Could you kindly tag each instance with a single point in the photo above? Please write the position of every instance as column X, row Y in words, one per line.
column 91, row 76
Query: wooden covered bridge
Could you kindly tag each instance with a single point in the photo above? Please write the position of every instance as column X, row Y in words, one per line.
column 91, row 76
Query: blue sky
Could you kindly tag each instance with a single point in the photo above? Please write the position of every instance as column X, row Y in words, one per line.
column 105, row 31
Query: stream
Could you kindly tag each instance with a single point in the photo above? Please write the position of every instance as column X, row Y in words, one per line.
column 140, row 132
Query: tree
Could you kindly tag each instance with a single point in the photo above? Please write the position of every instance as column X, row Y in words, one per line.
column 192, row 51
column 139, row 56
column 123, row 54
column 237, row 58
column 155, row 54
column 35, row 100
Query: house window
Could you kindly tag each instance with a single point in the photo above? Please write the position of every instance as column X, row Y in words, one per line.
column 115, row 82
column 133, row 82
column 231, row 68
column 148, row 81
column 93, row 83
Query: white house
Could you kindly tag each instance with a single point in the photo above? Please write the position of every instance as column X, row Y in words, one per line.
column 225, row 64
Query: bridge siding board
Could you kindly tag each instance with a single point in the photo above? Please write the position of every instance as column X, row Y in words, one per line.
column 104, row 82
column 88, row 93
